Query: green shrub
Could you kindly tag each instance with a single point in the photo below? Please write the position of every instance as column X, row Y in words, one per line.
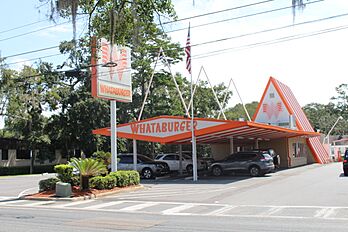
column 65, row 172
column 126, row 178
column 134, row 177
column 75, row 181
column 97, row 182
column 103, row 182
column 48, row 184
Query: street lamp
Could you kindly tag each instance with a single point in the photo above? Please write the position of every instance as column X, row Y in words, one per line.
column 328, row 134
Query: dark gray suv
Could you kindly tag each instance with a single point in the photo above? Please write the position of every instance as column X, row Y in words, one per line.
column 257, row 163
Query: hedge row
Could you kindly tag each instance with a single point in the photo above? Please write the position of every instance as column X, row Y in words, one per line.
column 115, row 179
column 5, row 171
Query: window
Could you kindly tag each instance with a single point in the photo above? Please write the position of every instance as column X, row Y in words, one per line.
column 4, row 154
column 23, row 154
column 126, row 159
column 171, row 157
column 298, row 149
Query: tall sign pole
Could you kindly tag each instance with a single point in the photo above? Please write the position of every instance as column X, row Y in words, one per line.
column 113, row 136
column 188, row 67
column 111, row 80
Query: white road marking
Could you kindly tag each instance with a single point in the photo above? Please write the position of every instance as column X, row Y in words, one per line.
column 139, row 207
column 176, row 210
column 273, row 210
column 219, row 212
column 329, row 213
column 72, row 204
column 37, row 203
column 99, row 206
column 26, row 190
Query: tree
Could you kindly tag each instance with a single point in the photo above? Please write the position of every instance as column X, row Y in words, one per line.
column 236, row 112
column 26, row 94
column 87, row 168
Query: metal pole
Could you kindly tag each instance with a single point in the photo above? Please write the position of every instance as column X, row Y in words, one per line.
column 216, row 98
column 180, row 159
column 245, row 109
column 194, row 154
column 135, row 155
column 113, row 136
column 177, row 86
column 224, row 101
column 328, row 134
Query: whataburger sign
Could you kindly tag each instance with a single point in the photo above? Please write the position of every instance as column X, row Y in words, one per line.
column 163, row 129
column 111, row 74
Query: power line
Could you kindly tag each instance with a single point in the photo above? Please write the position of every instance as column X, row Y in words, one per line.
column 240, row 17
column 37, row 58
column 272, row 29
column 220, row 11
column 37, row 30
column 270, row 42
column 29, row 52
column 25, row 25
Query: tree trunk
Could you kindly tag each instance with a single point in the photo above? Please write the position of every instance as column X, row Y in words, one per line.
column 84, row 185
column 32, row 159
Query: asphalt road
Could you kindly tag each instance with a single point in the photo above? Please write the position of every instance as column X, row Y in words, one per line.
column 13, row 186
column 310, row 198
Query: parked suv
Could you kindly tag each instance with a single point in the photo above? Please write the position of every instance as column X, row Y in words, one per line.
column 147, row 167
column 345, row 163
column 257, row 163
column 173, row 161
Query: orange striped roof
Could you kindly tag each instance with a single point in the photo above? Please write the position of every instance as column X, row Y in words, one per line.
column 319, row 152
column 221, row 132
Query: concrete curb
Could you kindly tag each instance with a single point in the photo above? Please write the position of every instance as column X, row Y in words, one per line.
column 82, row 198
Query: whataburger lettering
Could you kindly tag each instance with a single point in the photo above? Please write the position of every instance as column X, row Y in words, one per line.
column 114, row 91
column 162, row 127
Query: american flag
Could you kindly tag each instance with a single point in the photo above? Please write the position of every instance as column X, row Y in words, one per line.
column 188, row 51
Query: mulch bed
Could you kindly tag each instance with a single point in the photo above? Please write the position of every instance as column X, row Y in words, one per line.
column 76, row 192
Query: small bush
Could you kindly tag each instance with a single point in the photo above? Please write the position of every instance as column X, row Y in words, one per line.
column 122, row 179
column 65, row 172
column 126, row 178
column 134, row 177
column 48, row 184
column 75, row 181
column 109, row 182
column 97, row 182
column 103, row 182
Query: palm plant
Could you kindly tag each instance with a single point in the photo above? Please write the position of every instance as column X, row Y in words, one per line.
column 87, row 168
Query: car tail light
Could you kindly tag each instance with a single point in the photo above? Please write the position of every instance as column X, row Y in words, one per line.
column 344, row 161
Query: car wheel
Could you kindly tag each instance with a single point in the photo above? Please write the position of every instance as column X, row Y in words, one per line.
column 254, row 171
column 217, row 171
column 147, row 173
column 189, row 169
column 345, row 172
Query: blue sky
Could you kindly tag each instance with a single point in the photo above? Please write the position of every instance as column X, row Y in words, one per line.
column 312, row 67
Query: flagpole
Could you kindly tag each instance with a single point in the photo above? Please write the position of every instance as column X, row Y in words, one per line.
column 194, row 153
column 193, row 139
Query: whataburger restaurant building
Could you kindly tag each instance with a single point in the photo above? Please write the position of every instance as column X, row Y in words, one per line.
column 278, row 123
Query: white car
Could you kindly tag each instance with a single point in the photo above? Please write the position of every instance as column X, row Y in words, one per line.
column 173, row 161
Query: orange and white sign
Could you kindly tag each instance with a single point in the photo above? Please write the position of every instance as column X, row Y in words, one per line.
column 111, row 72
column 272, row 110
column 163, row 129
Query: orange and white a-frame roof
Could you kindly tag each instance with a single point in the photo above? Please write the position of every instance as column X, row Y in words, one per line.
column 277, row 104
column 174, row 129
